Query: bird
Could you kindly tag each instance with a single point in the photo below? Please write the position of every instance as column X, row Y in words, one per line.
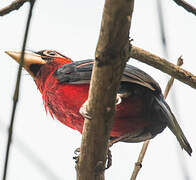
column 141, row 110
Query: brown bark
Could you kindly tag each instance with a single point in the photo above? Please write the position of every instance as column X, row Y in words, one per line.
column 13, row 6
column 111, row 55
column 164, row 66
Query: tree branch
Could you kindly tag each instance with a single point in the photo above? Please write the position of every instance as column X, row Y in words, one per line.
column 186, row 6
column 13, row 6
column 111, row 55
column 164, row 66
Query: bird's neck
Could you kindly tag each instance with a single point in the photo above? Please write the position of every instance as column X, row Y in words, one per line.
column 45, row 74
column 47, row 70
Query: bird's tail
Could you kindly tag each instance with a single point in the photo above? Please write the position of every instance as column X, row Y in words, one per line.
column 174, row 126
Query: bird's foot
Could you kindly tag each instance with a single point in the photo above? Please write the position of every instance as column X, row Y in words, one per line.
column 83, row 111
column 108, row 161
column 77, row 155
column 100, row 166
column 118, row 99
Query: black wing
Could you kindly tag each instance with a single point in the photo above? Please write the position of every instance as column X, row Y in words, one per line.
column 80, row 72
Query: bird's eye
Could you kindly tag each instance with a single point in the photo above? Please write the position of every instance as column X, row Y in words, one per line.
column 51, row 53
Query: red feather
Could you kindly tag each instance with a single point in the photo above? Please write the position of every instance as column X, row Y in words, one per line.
column 63, row 101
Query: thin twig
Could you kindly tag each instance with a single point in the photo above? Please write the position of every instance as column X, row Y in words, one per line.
column 16, row 92
column 186, row 6
column 138, row 164
column 13, row 6
column 163, row 65
column 171, row 81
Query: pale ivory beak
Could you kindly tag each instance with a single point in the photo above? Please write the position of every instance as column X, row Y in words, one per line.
column 29, row 59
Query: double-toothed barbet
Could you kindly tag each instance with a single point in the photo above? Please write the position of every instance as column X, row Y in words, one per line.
column 141, row 110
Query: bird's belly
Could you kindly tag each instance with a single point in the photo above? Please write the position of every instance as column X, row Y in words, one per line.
column 65, row 105
column 130, row 117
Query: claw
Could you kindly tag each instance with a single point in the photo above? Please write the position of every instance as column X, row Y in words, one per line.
column 109, row 160
column 118, row 99
column 77, row 151
column 84, row 112
column 77, row 155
